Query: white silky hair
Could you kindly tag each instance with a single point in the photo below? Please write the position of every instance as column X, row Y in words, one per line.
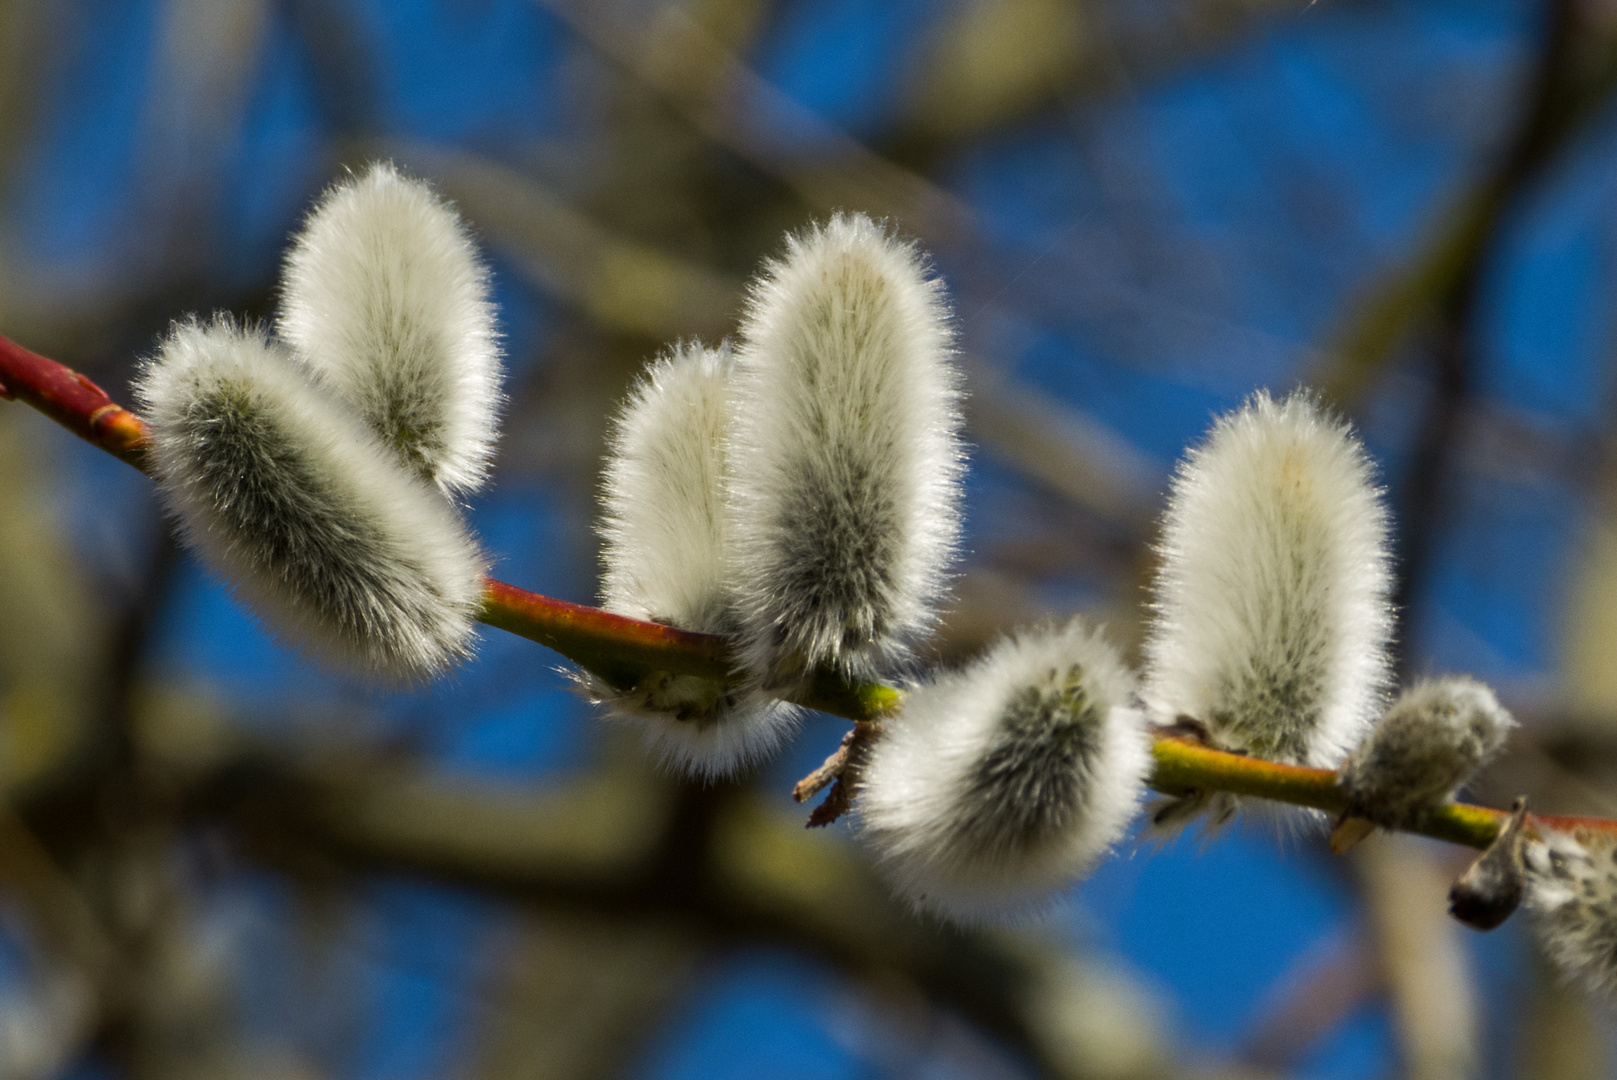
column 664, row 557
column 997, row 785
column 385, row 298
column 845, row 458
column 300, row 509
column 663, row 522
column 1572, row 894
column 1432, row 740
column 1271, row 614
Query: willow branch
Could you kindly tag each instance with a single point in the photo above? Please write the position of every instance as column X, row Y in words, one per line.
column 622, row 650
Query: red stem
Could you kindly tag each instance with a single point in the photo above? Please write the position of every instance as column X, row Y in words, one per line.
column 72, row 401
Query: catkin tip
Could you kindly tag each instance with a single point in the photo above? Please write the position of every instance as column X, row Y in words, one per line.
column 386, row 300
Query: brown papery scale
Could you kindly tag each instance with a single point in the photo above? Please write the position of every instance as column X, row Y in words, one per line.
column 1493, row 886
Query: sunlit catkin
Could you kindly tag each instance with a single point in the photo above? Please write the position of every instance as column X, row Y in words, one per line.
column 998, row 785
column 1271, row 616
column 845, row 457
column 312, row 522
column 663, row 552
column 386, row 300
column 1432, row 740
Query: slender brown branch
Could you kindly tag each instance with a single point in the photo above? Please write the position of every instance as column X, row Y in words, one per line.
column 623, row 650
column 840, row 772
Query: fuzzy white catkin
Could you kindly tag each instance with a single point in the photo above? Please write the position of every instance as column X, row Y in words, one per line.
column 385, row 298
column 663, row 551
column 1432, row 740
column 302, row 511
column 845, row 457
column 1271, row 616
column 997, row 785
column 1572, row 893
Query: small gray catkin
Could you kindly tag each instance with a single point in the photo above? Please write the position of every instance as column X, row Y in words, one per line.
column 1432, row 740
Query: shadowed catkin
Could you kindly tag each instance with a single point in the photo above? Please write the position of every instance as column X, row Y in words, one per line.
column 310, row 520
column 663, row 551
column 1572, row 893
column 996, row 785
column 1271, row 612
column 384, row 297
column 845, row 457
column 1433, row 739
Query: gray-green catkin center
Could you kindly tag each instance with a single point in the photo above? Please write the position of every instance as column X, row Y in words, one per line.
column 1271, row 705
column 1032, row 784
column 406, row 409
column 293, row 524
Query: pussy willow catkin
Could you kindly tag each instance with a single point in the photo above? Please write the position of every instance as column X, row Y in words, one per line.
column 997, row 785
column 1433, row 739
column 844, row 455
column 295, row 503
column 1270, row 612
column 663, row 552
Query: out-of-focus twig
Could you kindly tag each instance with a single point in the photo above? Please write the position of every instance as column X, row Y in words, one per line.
column 1421, row 956
column 1326, row 986
column 1573, row 71
column 1566, row 1035
column 578, row 998
column 1063, row 449
column 619, row 283
column 721, row 866
column 992, row 63
column 745, row 113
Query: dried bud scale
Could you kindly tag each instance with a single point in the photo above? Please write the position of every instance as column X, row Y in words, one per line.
column 386, row 300
column 1572, row 891
column 663, row 551
column 997, row 785
column 1492, row 887
column 845, row 456
column 1431, row 741
column 1271, row 611
column 312, row 521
